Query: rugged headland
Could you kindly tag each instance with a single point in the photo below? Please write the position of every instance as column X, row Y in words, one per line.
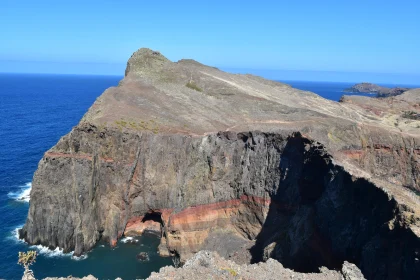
column 379, row 90
column 250, row 168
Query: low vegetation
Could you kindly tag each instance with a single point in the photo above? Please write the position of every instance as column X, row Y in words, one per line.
column 411, row 115
column 231, row 271
column 26, row 260
column 193, row 86
column 149, row 125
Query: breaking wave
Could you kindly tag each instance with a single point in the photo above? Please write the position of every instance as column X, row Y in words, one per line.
column 81, row 258
column 43, row 250
column 57, row 252
column 23, row 194
column 15, row 235
column 129, row 239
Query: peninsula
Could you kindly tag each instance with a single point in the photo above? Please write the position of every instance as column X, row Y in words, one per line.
column 380, row 91
column 246, row 167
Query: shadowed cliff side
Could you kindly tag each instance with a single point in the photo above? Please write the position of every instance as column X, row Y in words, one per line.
column 332, row 217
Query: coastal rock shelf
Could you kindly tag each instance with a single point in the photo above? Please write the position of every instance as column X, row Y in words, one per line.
column 250, row 168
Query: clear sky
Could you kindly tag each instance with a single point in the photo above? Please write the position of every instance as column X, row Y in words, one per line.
column 375, row 37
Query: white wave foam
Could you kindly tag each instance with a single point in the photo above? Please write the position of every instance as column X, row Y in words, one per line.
column 81, row 258
column 129, row 239
column 57, row 252
column 42, row 250
column 15, row 235
column 23, row 194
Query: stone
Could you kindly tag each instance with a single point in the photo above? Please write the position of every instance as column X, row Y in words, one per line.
column 143, row 256
column 351, row 272
column 89, row 277
column 209, row 265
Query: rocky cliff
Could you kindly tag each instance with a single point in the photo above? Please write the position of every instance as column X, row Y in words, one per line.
column 210, row 159
column 379, row 90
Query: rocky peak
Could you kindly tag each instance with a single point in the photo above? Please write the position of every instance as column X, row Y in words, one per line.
column 145, row 59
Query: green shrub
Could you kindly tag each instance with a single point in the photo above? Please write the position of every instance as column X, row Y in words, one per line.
column 27, row 259
column 193, row 86
column 411, row 115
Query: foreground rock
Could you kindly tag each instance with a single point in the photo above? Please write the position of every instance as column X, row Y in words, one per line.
column 196, row 153
column 379, row 90
column 89, row 277
column 143, row 256
column 208, row 265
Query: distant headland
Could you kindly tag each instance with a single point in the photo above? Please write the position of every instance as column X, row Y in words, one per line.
column 380, row 91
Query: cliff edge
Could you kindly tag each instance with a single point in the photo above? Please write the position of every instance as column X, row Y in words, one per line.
column 206, row 157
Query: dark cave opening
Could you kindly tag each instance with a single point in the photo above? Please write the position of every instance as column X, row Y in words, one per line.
column 153, row 216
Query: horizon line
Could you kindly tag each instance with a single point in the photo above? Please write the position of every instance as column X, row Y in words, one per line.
column 275, row 79
column 121, row 64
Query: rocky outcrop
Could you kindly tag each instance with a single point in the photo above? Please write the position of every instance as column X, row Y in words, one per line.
column 89, row 277
column 379, row 90
column 28, row 275
column 282, row 173
column 209, row 265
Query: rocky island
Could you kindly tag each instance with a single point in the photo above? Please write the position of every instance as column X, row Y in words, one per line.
column 380, row 91
column 246, row 167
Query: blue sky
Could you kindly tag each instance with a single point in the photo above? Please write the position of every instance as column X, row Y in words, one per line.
column 360, row 39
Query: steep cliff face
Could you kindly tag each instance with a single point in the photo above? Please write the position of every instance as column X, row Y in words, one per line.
column 282, row 191
column 235, row 156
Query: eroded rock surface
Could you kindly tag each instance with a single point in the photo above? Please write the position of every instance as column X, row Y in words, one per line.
column 89, row 277
column 192, row 153
column 209, row 265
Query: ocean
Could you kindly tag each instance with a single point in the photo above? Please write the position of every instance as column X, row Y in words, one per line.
column 334, row 90
column 35, row 111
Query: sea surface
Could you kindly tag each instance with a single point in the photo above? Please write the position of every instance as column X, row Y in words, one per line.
column 35, row 111
column 334, row 90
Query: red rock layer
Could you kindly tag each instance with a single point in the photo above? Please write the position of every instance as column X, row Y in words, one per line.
column 187, row 230
column 137, row 226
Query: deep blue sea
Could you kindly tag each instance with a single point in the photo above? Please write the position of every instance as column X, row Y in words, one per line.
column 35, row 111
column 334, row 90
